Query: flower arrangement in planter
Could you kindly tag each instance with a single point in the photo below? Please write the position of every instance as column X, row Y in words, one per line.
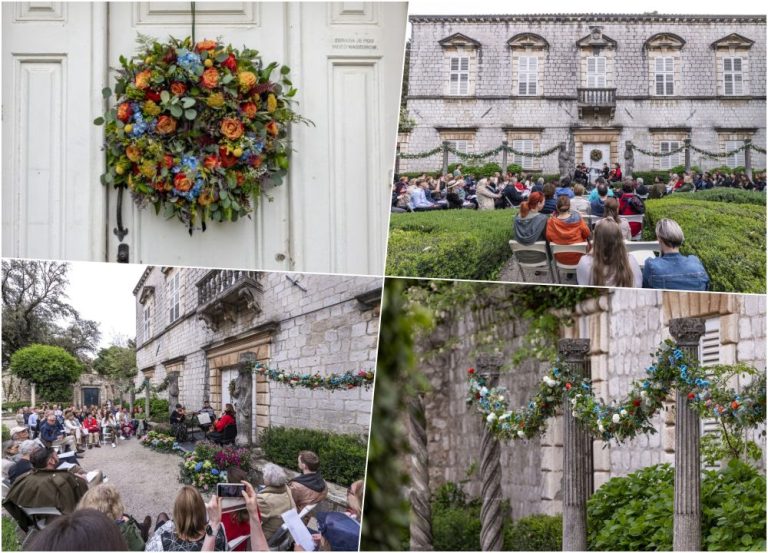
column 207, row 465
column 198, row 129
column 159, row 441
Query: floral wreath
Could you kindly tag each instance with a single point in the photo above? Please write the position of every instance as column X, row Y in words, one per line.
column 595, row 155
column 197, row 130
column 626, row 418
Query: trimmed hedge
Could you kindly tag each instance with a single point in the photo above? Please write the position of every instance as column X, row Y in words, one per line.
column 342, row 456
column 13, row 406
column 457, row 244
column 731, row 195
column 729, row 238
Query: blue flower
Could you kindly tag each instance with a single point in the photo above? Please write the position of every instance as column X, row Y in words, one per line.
column 556, row 371
column 215, row 472
column 677, row 354
column 198, row 466
column 189, row 61
column 189, row 163
column 651, row 369
column 646, row 384
column 138, row 129
column 585, row 386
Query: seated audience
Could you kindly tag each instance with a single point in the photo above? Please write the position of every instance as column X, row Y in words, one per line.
column 579, row 202
column 601, row 193
column 673, row 270
column 227, row 419
column 92, row 426
column 530, row 226
column 611, row 213
column 189, row 529
column 106, row 499
column 109, row 426
column 274, row 499
column 309, row 487
column 486, row 196
column 83, row 530
column 564, row 189
column 609, row 263
column 630, row 204
column 550, row 203
column 658, row 190
column 23, row 464
column 567, row 227
column 52, row 433
column 74, row 429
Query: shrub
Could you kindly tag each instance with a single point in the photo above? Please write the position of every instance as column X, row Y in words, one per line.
column 458, row 244
column 10, row 536
column 158, row 409
column 635, row 512
column 455, row 521
column 731, row 195
column 534, row 533
column 51, row 368
column 342, row 456
column 729, row 238
column 6, row 433
column 13, row 406
column 159, row 442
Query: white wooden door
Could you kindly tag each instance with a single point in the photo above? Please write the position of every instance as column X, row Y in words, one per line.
column 596, row 167
column 53, row 69
column 227, row 376
column 329, row 216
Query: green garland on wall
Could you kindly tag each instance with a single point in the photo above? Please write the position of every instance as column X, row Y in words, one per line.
column 626, row 418
column 314, row 381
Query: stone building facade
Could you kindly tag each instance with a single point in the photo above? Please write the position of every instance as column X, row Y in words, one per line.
column 625, row 327
column 200, row 322
column 592, row 81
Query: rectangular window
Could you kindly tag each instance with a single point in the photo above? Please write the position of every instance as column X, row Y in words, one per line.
column 733, row 78
column 596, row 72
column 665, row 76
column 735, row 160
column 173, row 297
column 527, row 75
column 667, row 162
column 147, row 323
column 460, row 146
column 459, row 76
column 526, row 162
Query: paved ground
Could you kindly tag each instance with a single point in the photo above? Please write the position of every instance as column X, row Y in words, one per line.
column 147, row 480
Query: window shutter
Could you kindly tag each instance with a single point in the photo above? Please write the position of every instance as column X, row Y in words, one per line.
column 709, row 354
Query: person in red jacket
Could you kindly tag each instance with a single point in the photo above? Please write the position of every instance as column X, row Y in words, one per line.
column 630, row 204
column 226, row 419
column 92, row 426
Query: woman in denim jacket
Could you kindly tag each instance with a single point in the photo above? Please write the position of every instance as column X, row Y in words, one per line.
column 673, row 270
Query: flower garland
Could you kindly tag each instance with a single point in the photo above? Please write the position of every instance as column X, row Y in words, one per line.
column 333, row 381
column 198, row 129
column 146, row 384
column 479, row 156
column 659, row 154
column 421, row 155
column 701, row 151
column 720, row 154
column 623, row 419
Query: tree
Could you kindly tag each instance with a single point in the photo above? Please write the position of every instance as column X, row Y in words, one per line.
column 117, row 362
column 51, row 368
column 35, row 304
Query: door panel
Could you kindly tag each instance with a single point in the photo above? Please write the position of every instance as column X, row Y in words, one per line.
column 53, row 60
column 596, row 167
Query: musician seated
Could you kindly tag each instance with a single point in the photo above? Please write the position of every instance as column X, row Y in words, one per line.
column 227, row 419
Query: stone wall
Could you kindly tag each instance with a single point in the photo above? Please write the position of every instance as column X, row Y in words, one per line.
column 495, row 108
column 313, row 326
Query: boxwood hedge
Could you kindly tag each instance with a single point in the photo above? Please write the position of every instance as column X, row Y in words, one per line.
column 731, row 195
column 728, row 237
column 457, row 244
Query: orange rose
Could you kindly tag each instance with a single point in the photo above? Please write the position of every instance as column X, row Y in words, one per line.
column 124, row 112
column 255, row 161
column 205, row 45
column 168, row 160
column 210, row 78
column 142, row 79
column 133, row 153
column 166, row 124
column 232, row 128
column 211, row 162
column 178, row 89
column 182, row 183
column 249, row 109
column 206, row 197
column 240, row 179
column 158, row 185
column 272, row 128
column 247, row 80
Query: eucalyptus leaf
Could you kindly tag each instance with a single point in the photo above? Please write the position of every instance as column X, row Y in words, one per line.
column 176, row 111
column 223, row 195
column 284, row 70
column 190, row 114
column 227, row 79
column 98, row 121
column 165, row 96
column 187, row 102
column 222, row 57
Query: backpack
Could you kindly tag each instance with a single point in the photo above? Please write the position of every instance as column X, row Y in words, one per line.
column 636, row 204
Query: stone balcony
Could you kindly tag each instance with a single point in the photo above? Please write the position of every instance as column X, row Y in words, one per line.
column 594, row 101
column 222, row 295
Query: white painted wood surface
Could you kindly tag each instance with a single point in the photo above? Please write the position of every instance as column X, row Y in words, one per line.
column 329, row 216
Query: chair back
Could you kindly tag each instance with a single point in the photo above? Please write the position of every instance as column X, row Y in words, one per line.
column 539, row 247
column 635, row 219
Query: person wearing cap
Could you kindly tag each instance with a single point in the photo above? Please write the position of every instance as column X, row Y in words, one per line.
column 19, row 433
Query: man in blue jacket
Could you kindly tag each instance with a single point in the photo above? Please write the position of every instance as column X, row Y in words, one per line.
column 673, row 270
column 52, row 433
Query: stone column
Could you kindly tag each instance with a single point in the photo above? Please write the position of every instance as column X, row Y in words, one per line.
column 577, row 453
column 491, row 518
column 419, row 495
column 32, row 394
column 687, row 143
column 173, row 391
column 687, row 333
column 629, row 158
column 147, row 392
column 397, row 161
column 243, row 394
column 445, row 157
column 504, row 153
column 748, row 158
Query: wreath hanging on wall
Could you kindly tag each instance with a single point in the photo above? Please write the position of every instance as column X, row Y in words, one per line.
column 595, row 155
column 198, row 130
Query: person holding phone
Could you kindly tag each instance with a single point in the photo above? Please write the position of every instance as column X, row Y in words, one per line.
column 190, row 529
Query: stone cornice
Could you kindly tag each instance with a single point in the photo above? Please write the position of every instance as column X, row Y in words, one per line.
column 589, row 17
column 142, row 280
column 507, row 97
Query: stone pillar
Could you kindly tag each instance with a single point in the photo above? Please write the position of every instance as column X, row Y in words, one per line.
column 687, row 143
column 445, row 157
column 397, row 161
column 577, row 452
column 491, row 518
column 504, row 153
column 687, row 333
column 748, row 158
column 243, row 395
column 146, row 399
column 173, row 391
column 32, row 394
column 629, row 158
column 419, row 495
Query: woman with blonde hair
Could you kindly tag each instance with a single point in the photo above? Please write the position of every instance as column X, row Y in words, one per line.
column 611, row 213
column 106, row 499
column 609, row 263
column 189, row 530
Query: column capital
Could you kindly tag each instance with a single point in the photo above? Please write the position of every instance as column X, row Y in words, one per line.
column 687, row 331
column 488, row 365
column 573, row 349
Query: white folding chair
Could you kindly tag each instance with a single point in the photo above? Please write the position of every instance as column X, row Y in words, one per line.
column 635, row 219
column 537, row 247
column 642, row 250
column 580, row 247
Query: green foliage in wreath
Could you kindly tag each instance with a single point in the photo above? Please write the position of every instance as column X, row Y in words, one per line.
column 198, row 129
column 595, row 155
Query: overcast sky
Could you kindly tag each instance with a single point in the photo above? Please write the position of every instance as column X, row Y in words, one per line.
column 103, row 292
